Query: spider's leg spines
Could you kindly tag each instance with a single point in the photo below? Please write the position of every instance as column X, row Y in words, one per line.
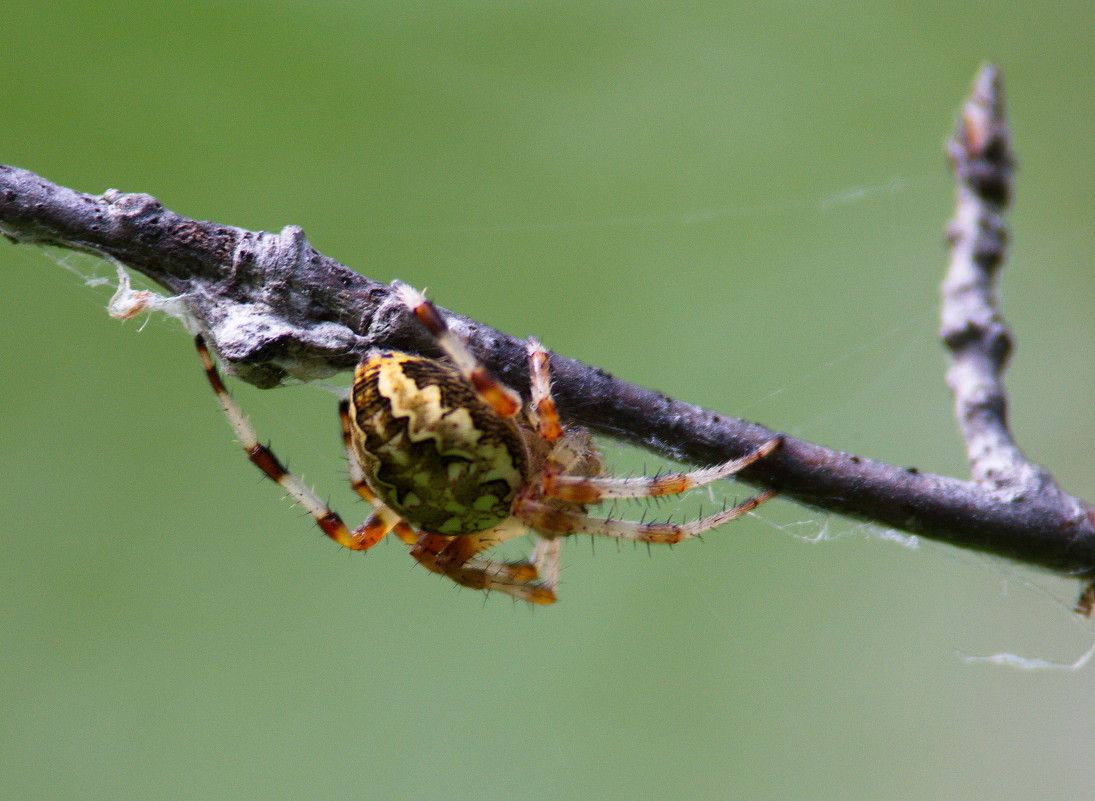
column 422, row 308
column 263, row 457
column 544, row 413
column 374, row 529
column 562, row 522
column 500, row 398
column 504, row 401
column 585, row 490
column 331, row 525
column 453, row 557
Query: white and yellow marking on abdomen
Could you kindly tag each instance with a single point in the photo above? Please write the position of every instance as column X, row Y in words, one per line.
column 431, row 448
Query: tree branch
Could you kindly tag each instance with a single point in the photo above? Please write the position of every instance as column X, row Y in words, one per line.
column 973, row 328
column 274, row 308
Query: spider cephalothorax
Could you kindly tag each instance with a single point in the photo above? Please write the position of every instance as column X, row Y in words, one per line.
column 454, row 462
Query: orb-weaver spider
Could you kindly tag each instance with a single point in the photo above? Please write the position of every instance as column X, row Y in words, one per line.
column 455, row 462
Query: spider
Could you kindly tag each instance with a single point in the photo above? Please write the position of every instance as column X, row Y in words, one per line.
column 453, row 462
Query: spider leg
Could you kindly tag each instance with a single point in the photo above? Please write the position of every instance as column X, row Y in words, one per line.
column 542, row 412
column 545, row 557
column 504, row 401
column 556, row 521
column 583, row 489
column 454, row 557
column 365, row 536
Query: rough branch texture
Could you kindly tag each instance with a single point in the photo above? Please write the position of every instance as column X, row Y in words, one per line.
column 973, row 328
column 274, row 307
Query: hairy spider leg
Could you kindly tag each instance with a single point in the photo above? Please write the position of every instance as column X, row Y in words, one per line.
column 453, row 558
column 504, row 401
column 581, row 489
column 390, row 519
column 365, row 536
column 552, row 520
column 545, row 557
column 542, row 411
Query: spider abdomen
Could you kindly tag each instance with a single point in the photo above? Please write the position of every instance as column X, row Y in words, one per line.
column 431, row 448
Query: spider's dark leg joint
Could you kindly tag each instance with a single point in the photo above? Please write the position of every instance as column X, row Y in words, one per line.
column 428, row 315
column 211, row 371
column 264, row 458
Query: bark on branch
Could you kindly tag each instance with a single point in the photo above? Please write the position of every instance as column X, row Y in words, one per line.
column 274, row 307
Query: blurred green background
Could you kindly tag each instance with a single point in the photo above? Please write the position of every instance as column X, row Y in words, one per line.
column 741, row 204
